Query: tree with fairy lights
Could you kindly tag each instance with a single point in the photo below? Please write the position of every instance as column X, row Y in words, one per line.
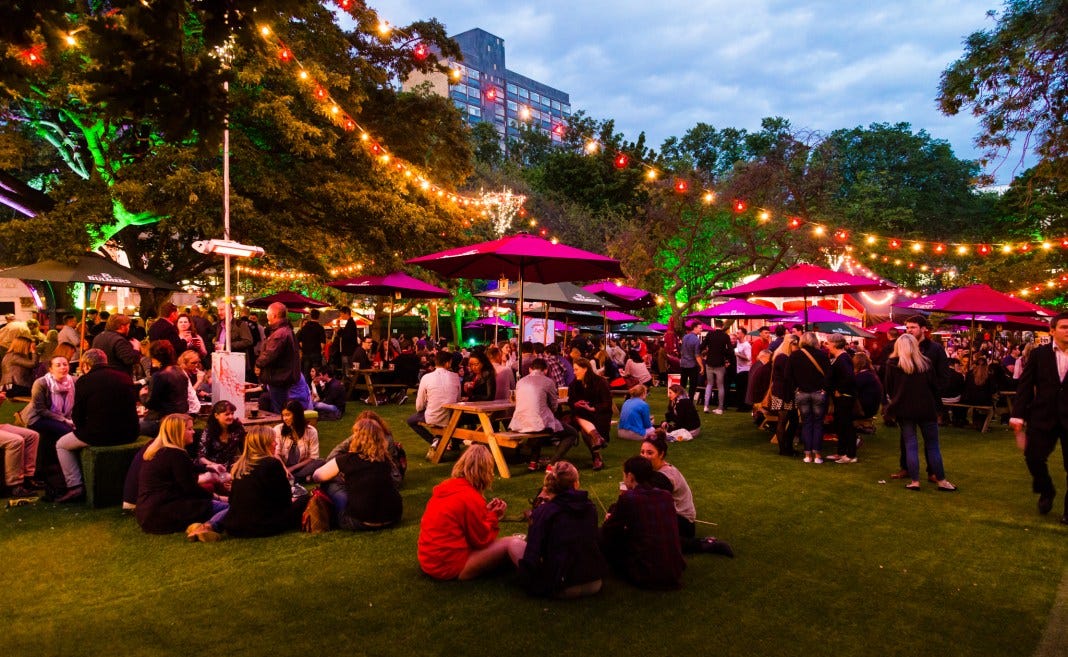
column 113, row 113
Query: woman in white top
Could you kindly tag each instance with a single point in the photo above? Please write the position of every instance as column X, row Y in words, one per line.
column 297, row 442
column 636, row 369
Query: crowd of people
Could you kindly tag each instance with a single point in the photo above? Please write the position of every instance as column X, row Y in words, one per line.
column 228, row 479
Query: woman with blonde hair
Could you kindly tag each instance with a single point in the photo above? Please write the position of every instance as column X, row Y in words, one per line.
column 261, row 501
column 19, row 363
column 913, row 402
column 368, row 500
column 169, row 495
column 458, row 532
column 635, row 420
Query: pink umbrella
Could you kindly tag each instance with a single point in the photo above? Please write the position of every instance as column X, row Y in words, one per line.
column 806, row 281
column 816, row 314
column 621, row 295
column 657, row 326
column 977, row 300
column 738, row 309
column 1007, row 321
column 520, row 258
column 616, row 316
column 397, row 285
column 883, row 327
column 292, row 300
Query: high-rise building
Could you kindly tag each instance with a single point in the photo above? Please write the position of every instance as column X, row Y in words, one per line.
column 485, row 90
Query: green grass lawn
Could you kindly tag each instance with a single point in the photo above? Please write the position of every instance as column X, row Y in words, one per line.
column 830, row 561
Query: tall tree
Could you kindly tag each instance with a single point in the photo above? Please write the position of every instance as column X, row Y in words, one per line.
column 131, row 154
column 1014, row 78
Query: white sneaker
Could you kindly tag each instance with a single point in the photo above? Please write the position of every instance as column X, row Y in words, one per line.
column 706, row 409
column 807, row 459
column 718, row 411
column 845, row 460
column 817, row 460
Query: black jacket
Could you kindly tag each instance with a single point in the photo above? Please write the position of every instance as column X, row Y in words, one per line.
column 717, row 348
column 682, row 414
column 910, row 396
column 261, row 502
column 279, row 362
column 120, row 352
column 1041, row 396
column 105, row 407
column 804, row 375
column 562, row 545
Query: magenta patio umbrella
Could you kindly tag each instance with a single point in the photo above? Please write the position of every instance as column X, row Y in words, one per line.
column 738, row 309
column 804, row 280
column 1008, row 321
column 397, row 285
column 977, row 300
column 630, row 298
column 816, row 314
column 486, row 322
column 520, row 258
column 293, row 301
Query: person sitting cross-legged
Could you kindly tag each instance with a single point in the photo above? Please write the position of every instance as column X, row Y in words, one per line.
column 368, row 498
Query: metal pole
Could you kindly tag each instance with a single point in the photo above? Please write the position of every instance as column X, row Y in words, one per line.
column 226, row 221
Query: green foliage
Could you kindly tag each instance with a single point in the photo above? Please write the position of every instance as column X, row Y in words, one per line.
column 1014, row 78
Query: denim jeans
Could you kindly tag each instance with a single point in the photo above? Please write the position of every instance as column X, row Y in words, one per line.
column 716, row 377
column 929, row 429
column 811, row 408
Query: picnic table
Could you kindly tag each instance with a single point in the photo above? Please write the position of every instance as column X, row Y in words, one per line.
column 375, row 380
column 486, row 412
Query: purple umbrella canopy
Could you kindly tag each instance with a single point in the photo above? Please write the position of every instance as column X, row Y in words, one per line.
column 490, row 321
column 738, row 309
column 621, row 295
column 977, row 299
column 396, row 283
column 1008, row 321
column 520, row 258
column 816, row 314
column 292, row 301
column 806, row 280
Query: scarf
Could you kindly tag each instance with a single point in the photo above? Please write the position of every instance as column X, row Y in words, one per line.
column 62, row 394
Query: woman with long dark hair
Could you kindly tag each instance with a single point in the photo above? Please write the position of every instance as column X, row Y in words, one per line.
column 591, row 406
column 297, row 442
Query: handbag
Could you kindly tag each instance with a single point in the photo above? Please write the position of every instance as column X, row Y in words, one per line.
column 316, row 518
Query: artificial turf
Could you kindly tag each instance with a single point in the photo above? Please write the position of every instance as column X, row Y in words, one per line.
column 831, row 560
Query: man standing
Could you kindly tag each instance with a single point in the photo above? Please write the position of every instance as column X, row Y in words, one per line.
column 115, row 344
column 1040, row 412
column 105, row 413
column 435, row 389
column 579, row 342
column 278, row 365
column 164, row 328
column 345, row 338
column 690, row 358
column 717, row 354
column 11, row 330
column 843, row 387
column 312, row 337
column 743, row 358
column 69, row 335
column 762, row 341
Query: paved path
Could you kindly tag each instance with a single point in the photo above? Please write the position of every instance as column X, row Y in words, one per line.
column 1054, row 641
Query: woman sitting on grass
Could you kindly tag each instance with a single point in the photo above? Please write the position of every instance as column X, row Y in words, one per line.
column 368, row 500
column 398, row 458
column 591, row 406
column 297, row 442
column 458, row 533
column 562, row 556
column 169, row 497
column 654, row 450
column 681, row 414
column 635, row 421
column 222, row 441
column 261, row 502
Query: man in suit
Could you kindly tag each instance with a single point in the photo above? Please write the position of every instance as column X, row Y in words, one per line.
column 1040, row 412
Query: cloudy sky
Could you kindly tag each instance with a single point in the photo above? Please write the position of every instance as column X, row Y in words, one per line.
column 663, row 66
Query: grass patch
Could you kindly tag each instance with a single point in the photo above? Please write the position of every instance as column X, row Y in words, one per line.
column 830, row 562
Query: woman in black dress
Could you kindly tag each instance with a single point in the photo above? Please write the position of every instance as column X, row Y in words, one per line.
column 369, row 500
column 169, row 496
column 591, row 405
column 261, row 500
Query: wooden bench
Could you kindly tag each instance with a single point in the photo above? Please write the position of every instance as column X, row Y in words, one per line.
column 988, row 409
column 515, row 438
column 104, row 471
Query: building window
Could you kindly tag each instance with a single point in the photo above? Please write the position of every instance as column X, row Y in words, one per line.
column 567, row 110
column 512, row 107
column 523, row 93
column 535, row 98
column 474, row 110
column 512, row 88
column 556, row 104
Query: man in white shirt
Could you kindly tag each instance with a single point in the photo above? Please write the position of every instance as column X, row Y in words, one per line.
column 536, row 398
column 743, row 358
column 436, row 389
